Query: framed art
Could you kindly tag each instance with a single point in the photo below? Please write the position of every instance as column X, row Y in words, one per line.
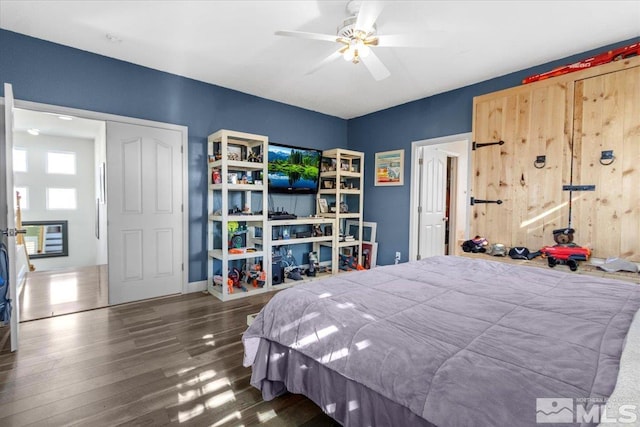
column 368, row 229
column 323, row 206
column 389, row 168
column 234, row 152
column 369, row 254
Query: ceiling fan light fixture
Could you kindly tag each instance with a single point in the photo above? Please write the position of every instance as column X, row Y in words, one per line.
column 349, row 54
column 364, row 51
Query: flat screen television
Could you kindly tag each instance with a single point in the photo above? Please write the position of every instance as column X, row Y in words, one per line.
column 293, row 170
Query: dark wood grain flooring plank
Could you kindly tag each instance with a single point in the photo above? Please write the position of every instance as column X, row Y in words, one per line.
column 168, row 361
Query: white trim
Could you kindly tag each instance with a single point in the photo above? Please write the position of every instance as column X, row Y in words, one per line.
column 106, row 117
column 191, row 287
column 413, row 205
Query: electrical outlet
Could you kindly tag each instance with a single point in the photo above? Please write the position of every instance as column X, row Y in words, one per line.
column 398, row 256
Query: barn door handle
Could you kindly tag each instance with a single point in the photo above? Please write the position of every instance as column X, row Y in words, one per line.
column 475, row 201
column 486, row 144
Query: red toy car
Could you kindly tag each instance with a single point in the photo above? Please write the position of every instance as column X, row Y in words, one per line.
column 565, row 254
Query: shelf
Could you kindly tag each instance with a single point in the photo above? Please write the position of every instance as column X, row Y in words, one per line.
column 229, row 147
column 216, row 290
column 237, row 165
column 294, row 241
column 222, row 255
column 343, row 174
column 343, row 170
column 238, row 218
column 348, row 215
column 300, row 221
column 291, row 283
column 343, row 244
column 348, row 243
column 237, row 187
column 333, row 191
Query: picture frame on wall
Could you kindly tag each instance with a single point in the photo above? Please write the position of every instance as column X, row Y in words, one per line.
column 323, row 206
column 389, row 167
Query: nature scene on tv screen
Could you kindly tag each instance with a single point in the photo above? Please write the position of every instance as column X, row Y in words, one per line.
column 291, row 168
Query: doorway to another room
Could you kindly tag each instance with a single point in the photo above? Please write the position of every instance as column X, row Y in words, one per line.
column 59, row 182
column 439, row 212
column 62, row 179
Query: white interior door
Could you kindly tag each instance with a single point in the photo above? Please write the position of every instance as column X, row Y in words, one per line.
column 144, row 211
column 432, row 203
column 11, row 217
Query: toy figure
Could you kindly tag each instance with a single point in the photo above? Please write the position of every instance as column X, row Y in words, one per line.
column 347, row 263
column 236, row 279
column 256, row 276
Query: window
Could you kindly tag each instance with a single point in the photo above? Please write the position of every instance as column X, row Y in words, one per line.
column 24, row 197
column 61, row 163
column 19, row 160
column 61, row 198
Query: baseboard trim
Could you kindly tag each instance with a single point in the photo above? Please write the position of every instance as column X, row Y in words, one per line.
column 195, row 287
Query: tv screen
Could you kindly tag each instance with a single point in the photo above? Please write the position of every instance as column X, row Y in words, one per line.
column 293, row 170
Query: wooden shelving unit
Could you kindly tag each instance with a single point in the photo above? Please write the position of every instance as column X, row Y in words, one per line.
column 236, row 203
column 240, row 236
column 341, row 185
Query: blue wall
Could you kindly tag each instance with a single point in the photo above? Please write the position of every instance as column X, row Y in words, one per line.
column 49, row 73
column 395, row 128
column 45, row 72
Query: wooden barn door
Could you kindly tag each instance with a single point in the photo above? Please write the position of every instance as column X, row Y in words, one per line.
column 607, row 117
column 532, row 121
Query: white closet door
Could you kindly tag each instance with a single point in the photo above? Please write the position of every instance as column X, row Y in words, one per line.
column 144, row 198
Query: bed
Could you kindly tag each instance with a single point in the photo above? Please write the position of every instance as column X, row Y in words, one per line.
column 446, row 341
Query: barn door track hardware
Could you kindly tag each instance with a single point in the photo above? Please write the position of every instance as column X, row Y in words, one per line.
column 579, row 187
column 475, row 201
column 486, row 144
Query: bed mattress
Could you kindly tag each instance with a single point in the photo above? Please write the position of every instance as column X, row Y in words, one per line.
column 447, row 341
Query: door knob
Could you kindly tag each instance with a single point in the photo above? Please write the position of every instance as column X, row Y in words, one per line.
column 12, row 232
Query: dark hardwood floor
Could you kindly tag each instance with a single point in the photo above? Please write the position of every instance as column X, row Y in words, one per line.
column 174, row 360
column 56, row 292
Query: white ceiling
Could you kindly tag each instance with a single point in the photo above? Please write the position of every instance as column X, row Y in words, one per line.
column 232, row 43
column 52, row 124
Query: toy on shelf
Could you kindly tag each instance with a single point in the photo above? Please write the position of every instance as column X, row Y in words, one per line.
column 256, row 276
column 235, row 276
column 348, row 263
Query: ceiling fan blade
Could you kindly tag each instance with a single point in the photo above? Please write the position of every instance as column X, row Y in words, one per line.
column 305, row 35
column 375, row 66
column 367, row 15
column 409, row 40
column 335, row 55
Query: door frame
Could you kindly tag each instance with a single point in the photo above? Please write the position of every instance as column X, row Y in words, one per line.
column 106, row 117
column 461, row 221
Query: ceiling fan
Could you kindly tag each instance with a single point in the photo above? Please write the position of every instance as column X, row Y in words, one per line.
column 357, row 35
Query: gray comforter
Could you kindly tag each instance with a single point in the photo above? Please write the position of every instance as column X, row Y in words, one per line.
column 459, row 341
